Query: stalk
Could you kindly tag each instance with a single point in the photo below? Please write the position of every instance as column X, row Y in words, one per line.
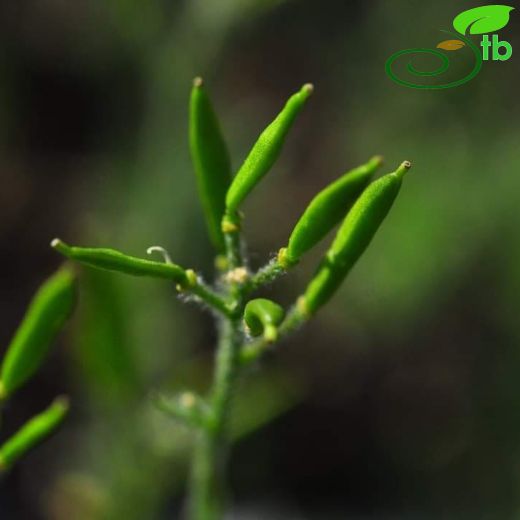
column 207, row 493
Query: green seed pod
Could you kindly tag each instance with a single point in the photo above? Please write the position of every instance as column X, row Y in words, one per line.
column 210, row 159
column 33, row 432
column 327, row 209
column 116, row 261
column 353, row 237
column 263, row 316
column 266, row 150
column 49, row 309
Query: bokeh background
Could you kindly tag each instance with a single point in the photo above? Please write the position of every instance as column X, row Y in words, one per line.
column 401, row 399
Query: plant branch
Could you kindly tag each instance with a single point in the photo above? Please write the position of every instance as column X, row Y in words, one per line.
column 265, row 275
column 208, row 296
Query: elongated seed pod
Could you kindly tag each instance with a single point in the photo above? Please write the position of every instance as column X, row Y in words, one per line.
column 49, row 309
column 327, row 209
column 266, row 150
column 33, row 432
column 263, row 316
column 113, row 260
column 353, row 237
column 211, row 161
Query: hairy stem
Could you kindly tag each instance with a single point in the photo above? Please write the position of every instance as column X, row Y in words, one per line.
column 207, row 493
column 266, row 275
column 210, row 297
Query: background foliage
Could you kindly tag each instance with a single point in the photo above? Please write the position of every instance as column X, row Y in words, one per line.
column 401, row 397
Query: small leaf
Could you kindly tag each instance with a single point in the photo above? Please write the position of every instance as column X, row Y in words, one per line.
column 481, row 20
column 451, row 45
column 33, row 432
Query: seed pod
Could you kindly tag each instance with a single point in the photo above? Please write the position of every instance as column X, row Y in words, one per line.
column 116, row 261
column 210, row 159
column 263, row 316
column 49, row 309
column 353, row 237
column 266, row 150
column 327, row 209
column 33, row 432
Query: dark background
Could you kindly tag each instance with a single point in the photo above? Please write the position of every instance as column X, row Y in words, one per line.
column 401, row 398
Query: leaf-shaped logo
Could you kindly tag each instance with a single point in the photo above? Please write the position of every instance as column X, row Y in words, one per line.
column 451, row 45
column 481, row 20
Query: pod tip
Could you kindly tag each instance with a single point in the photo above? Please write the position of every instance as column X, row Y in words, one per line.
column 403, row 168
column 60, row 246
column 308, row 88
column 377, row 160
column 63, row 401
column 198, row 82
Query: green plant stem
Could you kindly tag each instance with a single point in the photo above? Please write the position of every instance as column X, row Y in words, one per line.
column 266, row 275
column 231, row 223
column 207, row 492
column 210, row 297
column 233, row 249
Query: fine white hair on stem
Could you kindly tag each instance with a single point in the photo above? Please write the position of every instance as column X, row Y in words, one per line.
column 162, row 251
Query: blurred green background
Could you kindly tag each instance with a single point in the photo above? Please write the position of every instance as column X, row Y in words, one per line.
column 401, row 398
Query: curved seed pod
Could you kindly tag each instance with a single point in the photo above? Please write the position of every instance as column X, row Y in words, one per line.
column 353, row 237
column 263, row 316
column 49, row 309
column 266, row 150
column 113, row 260
column 327, row 209
column 210, row 159
column 33, row 432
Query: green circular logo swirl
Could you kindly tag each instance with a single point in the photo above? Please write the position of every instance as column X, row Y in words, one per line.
column 443, row 67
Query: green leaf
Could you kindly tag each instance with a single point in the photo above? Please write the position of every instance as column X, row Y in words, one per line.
column 49, row 309
column 481, row 20
column 266, row 150
column 263, row 316
column 353, row 237
column 327, row 209
column 113, row 260
column 210, row 159
column 33, row 432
